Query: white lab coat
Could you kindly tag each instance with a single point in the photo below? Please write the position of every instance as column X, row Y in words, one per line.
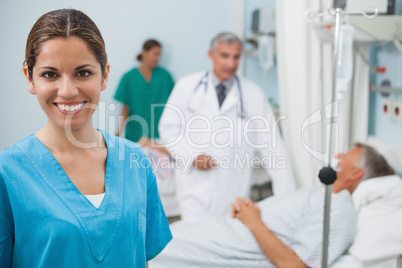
column 208, row 194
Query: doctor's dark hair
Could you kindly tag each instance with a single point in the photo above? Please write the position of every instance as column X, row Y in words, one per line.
column 64, row 23
column 226, row 38
column 147, row 46
column 373, row 163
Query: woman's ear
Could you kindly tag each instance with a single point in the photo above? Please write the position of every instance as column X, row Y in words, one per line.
column 105, row 77
column 31, row 86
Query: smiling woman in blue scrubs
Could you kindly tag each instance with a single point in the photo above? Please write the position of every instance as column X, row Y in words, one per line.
column 70, row 195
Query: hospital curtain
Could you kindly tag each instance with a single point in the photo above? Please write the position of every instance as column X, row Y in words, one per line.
column 356, row 110
column 353, row 114
column 304, row 66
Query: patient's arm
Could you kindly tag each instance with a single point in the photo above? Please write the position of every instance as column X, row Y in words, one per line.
column 277, row 252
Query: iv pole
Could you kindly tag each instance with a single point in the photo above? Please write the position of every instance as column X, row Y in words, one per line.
column 327, row 174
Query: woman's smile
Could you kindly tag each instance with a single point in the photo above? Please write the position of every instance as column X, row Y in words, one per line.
column 70, row 108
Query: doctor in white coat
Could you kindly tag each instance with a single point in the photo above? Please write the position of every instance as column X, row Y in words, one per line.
column 213, row 124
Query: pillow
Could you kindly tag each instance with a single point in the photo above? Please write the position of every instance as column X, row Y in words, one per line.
column 347, row 261
column 378, row 202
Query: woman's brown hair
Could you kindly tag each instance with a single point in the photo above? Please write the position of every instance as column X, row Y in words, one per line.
column 148, row 45
column 64, row 23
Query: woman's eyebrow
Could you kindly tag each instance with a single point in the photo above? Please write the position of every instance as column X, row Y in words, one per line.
column 48, row 67
column 84, row 66
column 78, row 68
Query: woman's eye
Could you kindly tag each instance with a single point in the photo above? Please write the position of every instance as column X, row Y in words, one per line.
column 49, row 75
column 84, row 73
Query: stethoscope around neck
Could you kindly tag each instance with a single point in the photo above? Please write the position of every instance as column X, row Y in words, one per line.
column 204, row 81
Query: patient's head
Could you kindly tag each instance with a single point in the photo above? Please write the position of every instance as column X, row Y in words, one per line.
column 372, row 163
column 360, row 163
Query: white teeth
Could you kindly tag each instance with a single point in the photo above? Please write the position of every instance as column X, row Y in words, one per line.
column 70, row 108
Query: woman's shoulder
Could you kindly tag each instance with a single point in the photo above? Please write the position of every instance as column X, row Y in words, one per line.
column 7, row 155
column 16, row 148
column 14, row 154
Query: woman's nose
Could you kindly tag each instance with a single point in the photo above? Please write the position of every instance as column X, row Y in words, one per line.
column 67, row 88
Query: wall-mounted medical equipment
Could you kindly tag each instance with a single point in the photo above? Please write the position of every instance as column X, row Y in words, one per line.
column 339, row 4
column 392, row 109
column 396, row 110
column 386, row 90
column 263, row 21
column 266, row 52
column 263, row 27
column 381, row 28
column 383, row 6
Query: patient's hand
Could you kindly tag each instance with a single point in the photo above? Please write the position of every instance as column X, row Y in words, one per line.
column 246, row 211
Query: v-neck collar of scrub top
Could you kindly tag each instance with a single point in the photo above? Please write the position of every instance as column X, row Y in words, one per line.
column 100, row 225
column 143, row 78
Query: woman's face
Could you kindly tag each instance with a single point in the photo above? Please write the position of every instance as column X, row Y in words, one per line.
column 68, row 80
column 152, row 56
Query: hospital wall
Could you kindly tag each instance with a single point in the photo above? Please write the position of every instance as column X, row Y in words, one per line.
column 184, row 28
column 386, row 128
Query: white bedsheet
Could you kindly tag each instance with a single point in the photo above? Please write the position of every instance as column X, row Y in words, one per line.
column 295, row 218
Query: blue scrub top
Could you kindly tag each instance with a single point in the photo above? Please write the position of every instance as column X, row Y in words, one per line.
column 46, row 222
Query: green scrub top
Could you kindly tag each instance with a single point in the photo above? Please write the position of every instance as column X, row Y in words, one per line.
column 139, row 95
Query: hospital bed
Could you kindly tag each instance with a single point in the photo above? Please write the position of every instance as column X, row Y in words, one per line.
column 378, row 242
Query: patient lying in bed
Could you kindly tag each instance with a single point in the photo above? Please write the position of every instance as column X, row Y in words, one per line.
column 285, row 231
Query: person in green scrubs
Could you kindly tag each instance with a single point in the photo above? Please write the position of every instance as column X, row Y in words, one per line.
column 144, row 91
